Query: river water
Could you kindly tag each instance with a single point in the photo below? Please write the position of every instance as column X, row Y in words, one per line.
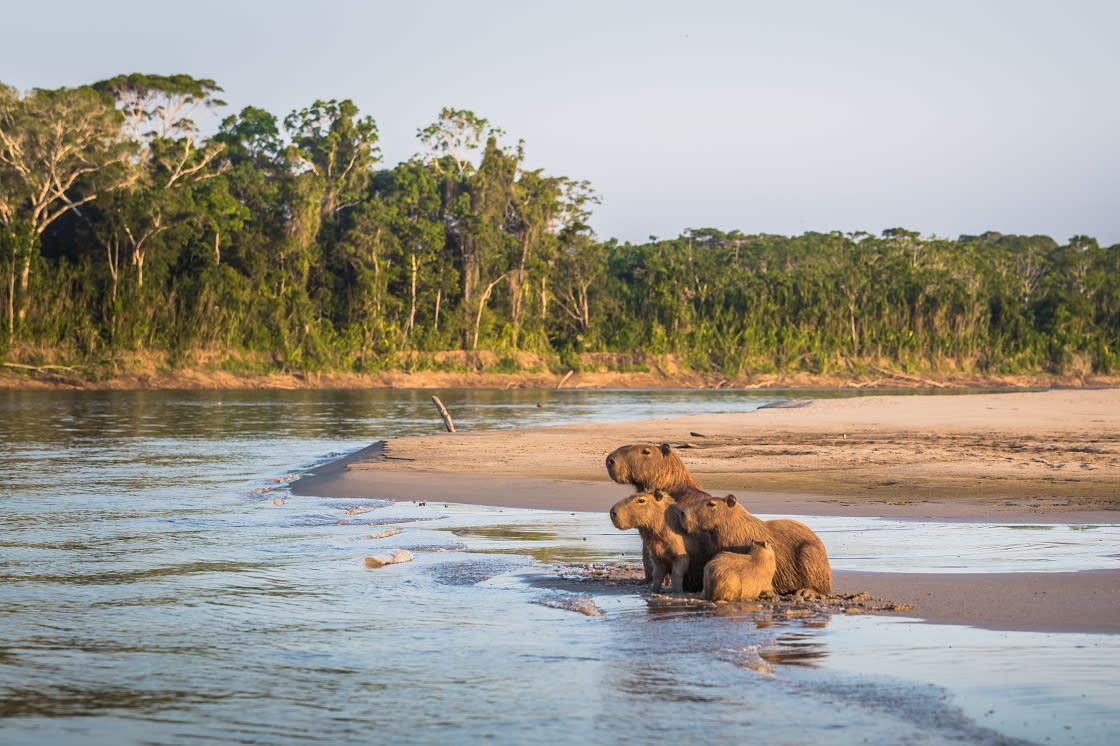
column 160, row 585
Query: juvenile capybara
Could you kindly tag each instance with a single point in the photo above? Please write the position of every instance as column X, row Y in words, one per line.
column 740, row 576
column 650, row 467
column 669, row 550
column 802, row 561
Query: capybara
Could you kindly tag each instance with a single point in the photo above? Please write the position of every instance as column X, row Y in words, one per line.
column 650, row 467
column 670, row 551
column 740, row 576
column 802, row 561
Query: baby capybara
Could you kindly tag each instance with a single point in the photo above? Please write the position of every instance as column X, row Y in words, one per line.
column 740, row 576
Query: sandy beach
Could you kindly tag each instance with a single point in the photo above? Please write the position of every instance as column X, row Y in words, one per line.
column 1037, row 457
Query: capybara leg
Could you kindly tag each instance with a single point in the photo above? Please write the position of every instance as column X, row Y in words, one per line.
column 658, row 577
column 680, row 567
column 647, row 563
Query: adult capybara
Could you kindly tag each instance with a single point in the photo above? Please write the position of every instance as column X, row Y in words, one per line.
column 740, row 576
column 669, row 550
column 802, row 561
column 650, row 467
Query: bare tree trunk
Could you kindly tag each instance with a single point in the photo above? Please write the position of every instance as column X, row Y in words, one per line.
column 139, row 248
column 25, row 273
column 138, row 259
column 376, row 257
column 517, row 289
column 25, row 276
column 435, row 321
column 852, row 327
column 585, row 306
column 412, row 296
column 113, row 254
column 481, row 306
column 470, row 283
column 12, row 301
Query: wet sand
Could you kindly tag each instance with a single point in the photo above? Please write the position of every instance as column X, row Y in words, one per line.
column 1039, row 457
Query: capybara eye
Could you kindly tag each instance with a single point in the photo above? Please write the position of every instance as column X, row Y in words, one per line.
column 646, row 451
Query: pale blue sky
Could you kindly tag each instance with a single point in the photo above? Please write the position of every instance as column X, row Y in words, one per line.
column 944, row 117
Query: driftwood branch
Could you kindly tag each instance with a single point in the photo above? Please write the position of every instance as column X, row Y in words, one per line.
column 443, row 413
column 56, row 373
column 39, row 368
column 912, row 379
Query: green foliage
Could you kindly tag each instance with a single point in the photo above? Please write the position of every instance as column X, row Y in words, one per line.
column 506, row 364
column 290, row 248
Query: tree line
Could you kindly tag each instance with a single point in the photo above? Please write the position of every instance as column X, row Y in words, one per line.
column 290, row 245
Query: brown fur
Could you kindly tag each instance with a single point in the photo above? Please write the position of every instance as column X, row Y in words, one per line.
column 670, row 551
column 650, row 467
column 740, row 576
column 802, row 561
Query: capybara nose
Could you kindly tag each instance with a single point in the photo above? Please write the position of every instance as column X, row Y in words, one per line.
column 610, row 461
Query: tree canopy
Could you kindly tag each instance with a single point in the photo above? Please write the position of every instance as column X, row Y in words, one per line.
column 123, row 228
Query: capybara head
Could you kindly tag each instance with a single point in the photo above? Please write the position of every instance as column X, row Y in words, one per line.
column 764, row 556
column 650, row 467
column 641, row 510
column 706, row 515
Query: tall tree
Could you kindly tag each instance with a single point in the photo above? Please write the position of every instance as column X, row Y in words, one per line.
column 486, row 242
column 59, row 149
column 453, row 143
column 171, row 157
column 332, row 142
column 255, row 169
column 161, row 107
column 579, row 263
column 413, row 200
column 536, row 206
column 454, row 139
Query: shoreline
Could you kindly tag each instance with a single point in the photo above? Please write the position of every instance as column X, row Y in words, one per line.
column 1035, row 458
column 662, row 374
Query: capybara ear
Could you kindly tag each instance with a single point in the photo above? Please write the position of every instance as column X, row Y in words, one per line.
column 665, row 448
column 660, row 495
column 764, row 544
column 730, row 500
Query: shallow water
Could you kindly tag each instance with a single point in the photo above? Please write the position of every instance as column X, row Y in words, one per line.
column 151, row 591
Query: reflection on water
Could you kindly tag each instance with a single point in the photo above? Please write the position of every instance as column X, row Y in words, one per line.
column 801, row 648
column 158, row 584
column 506, row 532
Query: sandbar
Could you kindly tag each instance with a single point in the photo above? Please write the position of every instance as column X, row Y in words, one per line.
column 1033, row 457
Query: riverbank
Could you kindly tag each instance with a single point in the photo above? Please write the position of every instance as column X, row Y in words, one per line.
column 488, row 370
column 1038, row 457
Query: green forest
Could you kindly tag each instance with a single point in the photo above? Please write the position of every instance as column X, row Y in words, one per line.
column 288, row 245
